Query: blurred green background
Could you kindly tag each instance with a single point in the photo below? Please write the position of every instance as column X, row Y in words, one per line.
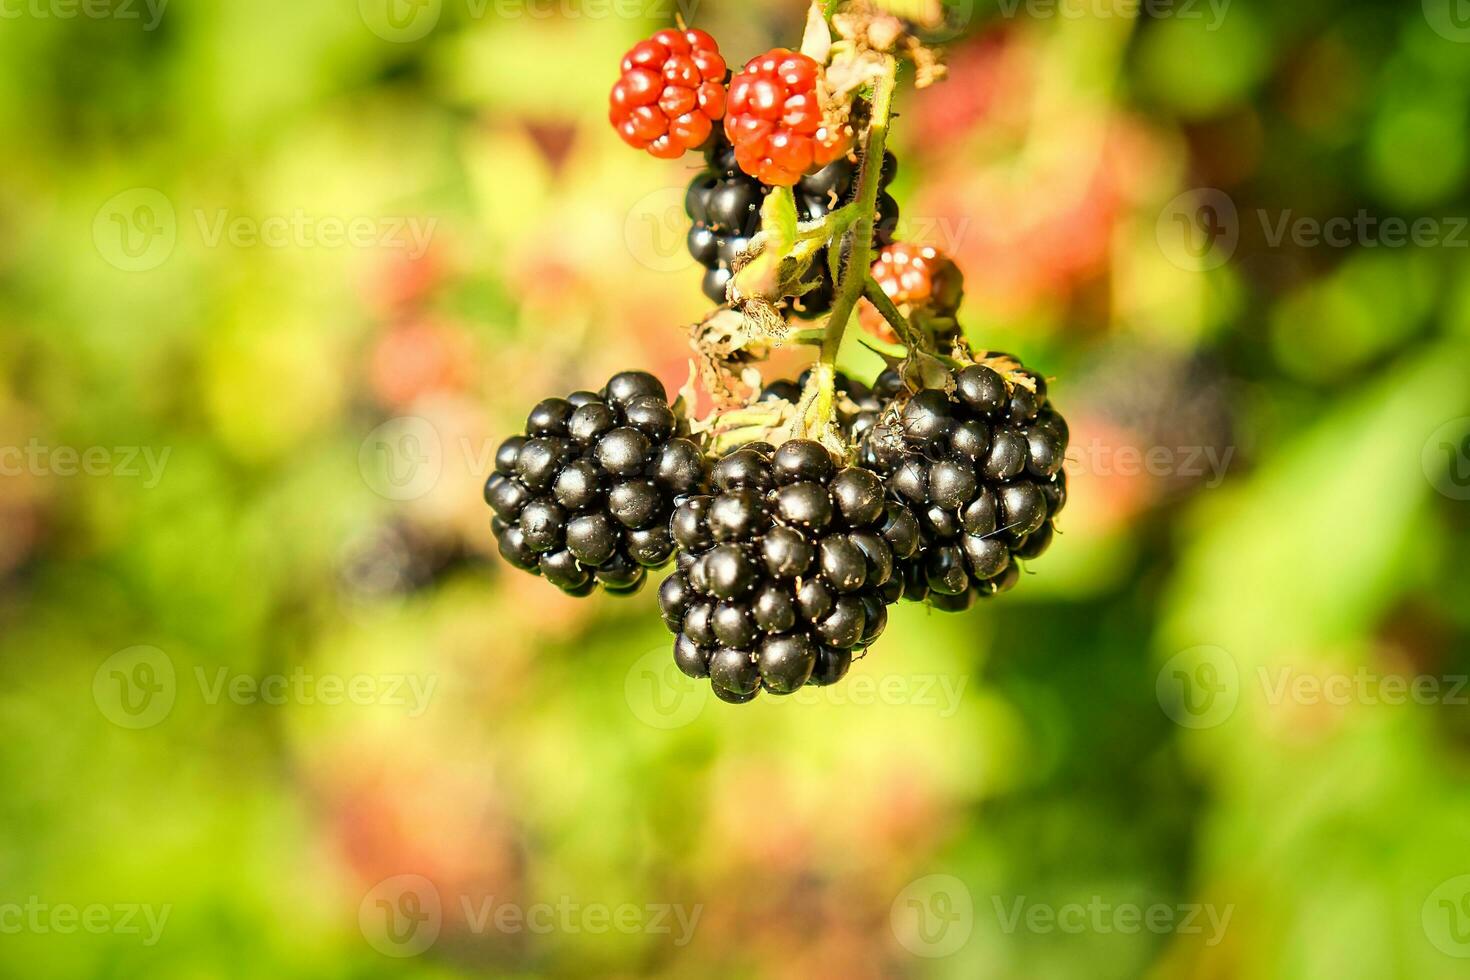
column 274, row 278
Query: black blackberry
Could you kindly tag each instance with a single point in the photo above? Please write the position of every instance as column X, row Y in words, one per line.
column 783, row 571
column 583, row 497
column 980, row 468
column 724, row 203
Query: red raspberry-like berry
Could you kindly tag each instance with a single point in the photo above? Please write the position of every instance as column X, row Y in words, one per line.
column 775, row 119
column 914, row 276
column 670, row 94
column 918, row 275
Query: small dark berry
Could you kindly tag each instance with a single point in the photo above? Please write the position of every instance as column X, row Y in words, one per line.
column 814, row 599
column 506, row 455
column 786, row 662
column 985, row 557
column 1007, row 456
column 650, row 547
column 622, row 452
column 592, row 538
column 981, row 389
column 843, row 627
column 736, row 514
column 578, row 486
column 543, row 521
column 901, row 530
column 787, row 553
column 843, row 563
column 636, row 503
column 743, row 469
column 730, row 571
column 733, row 625
column 859, row 496
column 734, row 671
column 651, row 415
column 774, row 609
column 549, row 417
column 804, row 505
column 832, row 665
column 690, row 524
column 623, row 388
column 1022, row 509
column 952, row 484
column 680, row 466
column 802, row 460
column 505, row 496
column 562, row 570
column 946, row 570
column 692, row 658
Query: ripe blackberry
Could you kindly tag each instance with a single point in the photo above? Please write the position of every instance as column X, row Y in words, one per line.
column 584, row 495
column 783, row 570
column 981, row 468
column 670, row 94
column 724, row 203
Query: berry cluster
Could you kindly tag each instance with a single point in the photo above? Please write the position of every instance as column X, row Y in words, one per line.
column 583, row 496
column 724, row 202
column 933, row 485
column 980, row 464
column 783, row 571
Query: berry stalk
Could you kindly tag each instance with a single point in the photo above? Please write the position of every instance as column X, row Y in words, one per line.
column 859, row 239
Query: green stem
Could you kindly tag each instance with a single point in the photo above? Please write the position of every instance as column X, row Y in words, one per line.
column 860, row 238
column 907, row 334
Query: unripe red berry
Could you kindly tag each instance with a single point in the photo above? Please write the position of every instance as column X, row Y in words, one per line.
column 670, row 94
column 775, row 119
column 914, row 276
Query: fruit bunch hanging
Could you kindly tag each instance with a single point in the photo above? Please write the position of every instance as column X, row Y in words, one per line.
column 796, row 511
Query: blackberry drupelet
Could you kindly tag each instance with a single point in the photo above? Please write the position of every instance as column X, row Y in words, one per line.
column 724, row 203
column 583, row 497
column 980, row 468
column 784, row 569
